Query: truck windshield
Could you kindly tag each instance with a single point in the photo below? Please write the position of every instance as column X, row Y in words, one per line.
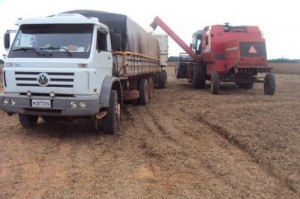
column 53, row 41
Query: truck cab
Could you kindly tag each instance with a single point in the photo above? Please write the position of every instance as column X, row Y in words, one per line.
column 60, row 65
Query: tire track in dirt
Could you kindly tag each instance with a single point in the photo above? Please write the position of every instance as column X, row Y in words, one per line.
column 188, row 150
column 235, row 142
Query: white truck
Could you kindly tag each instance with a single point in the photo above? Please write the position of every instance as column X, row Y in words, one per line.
column 79, row 64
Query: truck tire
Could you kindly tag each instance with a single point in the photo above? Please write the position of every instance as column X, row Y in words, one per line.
column 198, row 76
column 144, row 92
column 162, row 79
column 215, row 83
column 269, row 84
column 28, row 121
column 109, row 121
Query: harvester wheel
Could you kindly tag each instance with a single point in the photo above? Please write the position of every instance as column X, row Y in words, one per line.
column 269, row 84
column 110, row 120
column 198, row 76
column 144, row 92
column 215, row 83
column 28, row 121
column 162, row 79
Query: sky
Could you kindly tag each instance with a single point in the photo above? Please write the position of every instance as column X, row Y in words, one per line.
column 278, row 20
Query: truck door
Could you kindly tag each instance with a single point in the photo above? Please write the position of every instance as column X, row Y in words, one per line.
column 103, row 51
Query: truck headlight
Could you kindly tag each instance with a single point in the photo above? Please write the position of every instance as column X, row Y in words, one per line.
column 73, row 104
column 82, row 104
column 5, row 101
column 9, row 64
column 12, row 102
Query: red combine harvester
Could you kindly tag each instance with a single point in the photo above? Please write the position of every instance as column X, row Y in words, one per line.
column 224, row 53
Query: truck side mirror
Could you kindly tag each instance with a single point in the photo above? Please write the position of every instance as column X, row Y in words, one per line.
column 116, row 42
column 6, row 40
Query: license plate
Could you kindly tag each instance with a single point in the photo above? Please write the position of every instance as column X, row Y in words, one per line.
column 41, row 103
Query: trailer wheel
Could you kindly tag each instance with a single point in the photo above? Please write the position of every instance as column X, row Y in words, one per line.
column 144, row 92
column 198, row 76
column 28, row 121
column 215, row 83
column 151, row 87
column 109, row 121
column 269, row 84
column 162, row 79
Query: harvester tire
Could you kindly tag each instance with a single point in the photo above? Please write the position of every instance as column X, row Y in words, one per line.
column 144, row 92
column 109, row 121
column 269, row 84
column 162, row 79
column 215, row 83
column 198, row 76
column 28, row 121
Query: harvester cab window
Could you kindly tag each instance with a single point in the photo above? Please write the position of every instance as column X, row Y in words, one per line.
column 198, row 43
column 101, row 41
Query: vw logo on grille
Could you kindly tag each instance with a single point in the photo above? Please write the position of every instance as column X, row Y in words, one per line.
column 43, row 79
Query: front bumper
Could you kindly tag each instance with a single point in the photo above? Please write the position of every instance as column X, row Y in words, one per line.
column 60, row 106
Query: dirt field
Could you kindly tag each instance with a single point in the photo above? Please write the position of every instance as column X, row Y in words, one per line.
column 286, row 68
column 186, row 144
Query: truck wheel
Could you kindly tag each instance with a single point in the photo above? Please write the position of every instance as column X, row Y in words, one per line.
column 198, row 76
column 215, row 83
column 162, row 79
column 109, row 121
column 151, row 87
column 28, row 121
column 269, row 84
column 144, row 92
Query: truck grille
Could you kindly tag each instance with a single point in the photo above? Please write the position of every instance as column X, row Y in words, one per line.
column 44, row 79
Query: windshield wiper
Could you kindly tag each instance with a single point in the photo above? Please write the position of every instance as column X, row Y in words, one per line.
column 67, row 50
column 57, row 48
column 28, row 48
